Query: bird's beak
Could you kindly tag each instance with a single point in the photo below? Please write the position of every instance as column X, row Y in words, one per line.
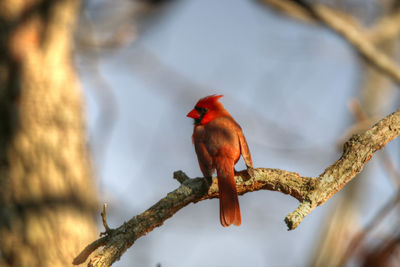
column 193, row 114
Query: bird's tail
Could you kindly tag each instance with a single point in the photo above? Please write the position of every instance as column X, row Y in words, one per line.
column 229, row 209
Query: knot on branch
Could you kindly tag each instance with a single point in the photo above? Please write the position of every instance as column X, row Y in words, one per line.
column 180, row 176
column 354, row 139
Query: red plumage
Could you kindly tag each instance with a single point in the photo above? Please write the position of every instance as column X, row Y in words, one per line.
column 219, row 142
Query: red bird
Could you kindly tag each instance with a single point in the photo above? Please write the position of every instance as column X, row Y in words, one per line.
column 219, row 142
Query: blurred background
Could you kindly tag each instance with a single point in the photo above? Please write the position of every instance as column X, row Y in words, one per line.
column 296, row 87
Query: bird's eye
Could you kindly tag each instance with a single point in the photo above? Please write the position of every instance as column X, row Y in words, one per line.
column 201, row 110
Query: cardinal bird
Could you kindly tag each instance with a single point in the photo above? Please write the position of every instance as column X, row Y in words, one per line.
column 219, row 142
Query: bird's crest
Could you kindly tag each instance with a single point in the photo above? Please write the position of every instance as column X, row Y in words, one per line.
column 208, row 101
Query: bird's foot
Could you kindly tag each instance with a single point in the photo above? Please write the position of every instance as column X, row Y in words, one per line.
column 208, row 181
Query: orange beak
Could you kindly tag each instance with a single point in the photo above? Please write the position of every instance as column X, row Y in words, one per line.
column 193, row 114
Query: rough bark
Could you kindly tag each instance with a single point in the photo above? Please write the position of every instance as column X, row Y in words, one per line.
column 47, row 195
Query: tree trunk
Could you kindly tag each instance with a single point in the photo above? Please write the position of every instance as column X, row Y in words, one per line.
column 47, row 195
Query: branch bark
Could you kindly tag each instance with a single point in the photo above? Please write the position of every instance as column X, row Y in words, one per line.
column 310, row 191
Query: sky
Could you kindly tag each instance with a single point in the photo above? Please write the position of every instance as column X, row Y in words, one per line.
column 286, row 83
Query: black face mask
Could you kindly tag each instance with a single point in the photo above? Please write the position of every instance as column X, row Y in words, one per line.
column 202, row 112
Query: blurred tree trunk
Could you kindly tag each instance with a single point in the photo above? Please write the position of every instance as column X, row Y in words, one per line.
column 47, row 195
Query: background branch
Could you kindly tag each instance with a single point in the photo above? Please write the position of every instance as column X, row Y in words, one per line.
column 311, row 192
column 349, row 31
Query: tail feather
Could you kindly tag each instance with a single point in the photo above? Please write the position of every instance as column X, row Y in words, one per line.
column 228, row 199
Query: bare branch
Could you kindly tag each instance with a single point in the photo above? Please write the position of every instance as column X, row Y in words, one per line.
column 358, row 150
column 104, row 218
column 310, row 191
column 350, row 32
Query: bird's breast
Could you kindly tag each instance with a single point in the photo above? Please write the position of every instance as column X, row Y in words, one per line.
column 219, row 137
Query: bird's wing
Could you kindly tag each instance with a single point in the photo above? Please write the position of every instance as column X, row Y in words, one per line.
column 244, row 149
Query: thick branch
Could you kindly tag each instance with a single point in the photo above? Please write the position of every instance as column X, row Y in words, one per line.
column 190, row 191
column 311, row 192
column 357, row 151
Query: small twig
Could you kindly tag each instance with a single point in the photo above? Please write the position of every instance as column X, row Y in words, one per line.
column 81, row 258
column 104, row 219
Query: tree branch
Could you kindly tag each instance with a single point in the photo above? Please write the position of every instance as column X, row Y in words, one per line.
column 310, row 191
column 386, row 29
column 358, row 150
column 346, row 28
column 190, row 191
